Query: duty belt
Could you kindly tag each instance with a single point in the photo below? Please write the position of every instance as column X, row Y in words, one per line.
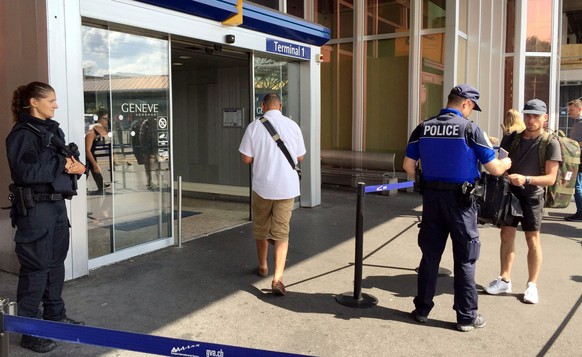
column 443, row 186
column 40, row 197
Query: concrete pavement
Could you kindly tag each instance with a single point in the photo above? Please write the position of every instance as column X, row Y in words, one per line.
column 207, row 291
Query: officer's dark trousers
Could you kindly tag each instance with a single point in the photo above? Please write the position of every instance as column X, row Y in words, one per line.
column 443, row 214
column 42, row 242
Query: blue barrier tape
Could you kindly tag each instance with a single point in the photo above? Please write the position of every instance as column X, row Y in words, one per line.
column 389, row 186
column 127, row 340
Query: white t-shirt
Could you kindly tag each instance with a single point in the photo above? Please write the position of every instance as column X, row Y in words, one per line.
column 273, row 176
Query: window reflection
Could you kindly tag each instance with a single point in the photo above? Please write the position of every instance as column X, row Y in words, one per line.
column 510, row 28
column 338, row 16
column 537, row 78
column 294, row 7
column 386, row 91
column 336, row 96
column 387, row 16
column 273, row 4
column 432, row 74
column 126, row 76
column 539, row 26
column 433, row 14
column 271, row 76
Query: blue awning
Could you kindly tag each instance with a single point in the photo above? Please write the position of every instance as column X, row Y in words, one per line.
column 217, row 10
column 276, row 23
column 255, row 18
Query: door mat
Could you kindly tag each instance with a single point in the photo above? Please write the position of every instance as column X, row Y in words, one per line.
column 149, row 221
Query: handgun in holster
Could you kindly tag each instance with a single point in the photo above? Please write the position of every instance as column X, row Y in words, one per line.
column 22, row 198
column 467, row 193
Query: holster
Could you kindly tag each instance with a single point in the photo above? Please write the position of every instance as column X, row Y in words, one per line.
column 467, row 194
column 466, row 199
column 23, row 198
column 419, row 182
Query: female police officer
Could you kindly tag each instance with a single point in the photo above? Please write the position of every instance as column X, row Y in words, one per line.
column 449, row 147
column 43, row 177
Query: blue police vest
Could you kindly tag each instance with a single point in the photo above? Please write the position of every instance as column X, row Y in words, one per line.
column 445, row 151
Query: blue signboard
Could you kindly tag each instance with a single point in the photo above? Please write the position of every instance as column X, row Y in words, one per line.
column 288, row 49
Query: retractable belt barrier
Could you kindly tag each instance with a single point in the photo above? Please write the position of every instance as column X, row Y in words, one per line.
column 166, row 346
column 126, row 340
column 389, row 187
column 358, row 299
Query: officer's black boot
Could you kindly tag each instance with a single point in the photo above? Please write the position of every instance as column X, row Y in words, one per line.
column 37, row 344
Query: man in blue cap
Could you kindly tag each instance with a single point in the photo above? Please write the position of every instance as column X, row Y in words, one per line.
column 450, row 147
column 527, row 181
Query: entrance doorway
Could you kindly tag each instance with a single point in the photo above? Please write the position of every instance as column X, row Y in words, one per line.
column 129, row 206
column 211, row 105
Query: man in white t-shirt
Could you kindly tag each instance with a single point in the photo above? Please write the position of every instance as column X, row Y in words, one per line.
column 275, row 184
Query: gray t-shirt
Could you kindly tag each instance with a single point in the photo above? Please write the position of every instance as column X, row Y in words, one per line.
column 525, row 160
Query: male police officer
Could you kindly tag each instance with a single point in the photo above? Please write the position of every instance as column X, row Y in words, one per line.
column 448, row 147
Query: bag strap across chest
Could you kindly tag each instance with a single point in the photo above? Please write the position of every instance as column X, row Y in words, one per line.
column 542, row 149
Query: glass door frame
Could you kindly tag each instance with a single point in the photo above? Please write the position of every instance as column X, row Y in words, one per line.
column 161, row 242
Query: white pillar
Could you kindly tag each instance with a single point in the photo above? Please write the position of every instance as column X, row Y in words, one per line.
column 358, row 77
column 66, row 77
column 415, row 63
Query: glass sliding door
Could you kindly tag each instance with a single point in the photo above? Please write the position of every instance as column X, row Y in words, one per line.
column 277, row 75
column 126, row 80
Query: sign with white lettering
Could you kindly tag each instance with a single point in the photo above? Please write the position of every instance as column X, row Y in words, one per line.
column 139, row 108
column 451, row 130
column 162, row 138
column 288, row 49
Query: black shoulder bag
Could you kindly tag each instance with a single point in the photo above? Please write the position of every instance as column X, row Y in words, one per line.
column 280, row 144
column 496, row 202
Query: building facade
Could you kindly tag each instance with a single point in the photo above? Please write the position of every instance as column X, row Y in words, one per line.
column 180, row 81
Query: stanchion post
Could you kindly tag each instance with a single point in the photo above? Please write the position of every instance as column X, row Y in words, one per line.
column 359, row 253
column 358, row 299
column 4, row 338
column 179, row 211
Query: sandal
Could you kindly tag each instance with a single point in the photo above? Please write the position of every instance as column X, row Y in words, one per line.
column 278, row 288
column 262, row 272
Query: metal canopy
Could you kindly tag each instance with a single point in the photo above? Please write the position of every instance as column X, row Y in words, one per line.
column 255, row 18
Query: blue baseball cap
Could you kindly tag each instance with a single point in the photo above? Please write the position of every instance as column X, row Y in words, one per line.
column 469, row 92
column 535, row 106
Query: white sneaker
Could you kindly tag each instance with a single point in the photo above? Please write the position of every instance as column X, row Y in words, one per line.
column 531, row 294
column 498, row 286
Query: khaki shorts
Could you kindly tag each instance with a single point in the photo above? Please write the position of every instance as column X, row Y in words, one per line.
column 271, row 218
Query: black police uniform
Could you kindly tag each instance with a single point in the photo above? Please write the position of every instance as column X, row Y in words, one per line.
column 448, row 147
column 42, row 235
